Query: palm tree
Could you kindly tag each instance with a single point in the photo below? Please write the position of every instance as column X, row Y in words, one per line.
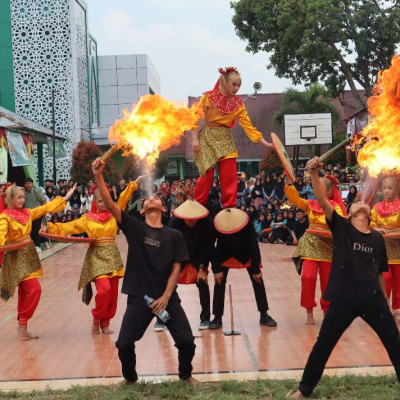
column 313, row 100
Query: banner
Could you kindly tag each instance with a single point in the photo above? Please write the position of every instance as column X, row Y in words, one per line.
column 3, row 165
column 17, row 149
column 60, row 149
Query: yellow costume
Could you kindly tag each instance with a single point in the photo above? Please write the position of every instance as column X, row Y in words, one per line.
column 311, row 246
column 103, row 259
column 389, row 220
column 215, row 138
column 22, row 264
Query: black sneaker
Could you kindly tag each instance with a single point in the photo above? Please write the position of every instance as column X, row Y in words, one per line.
column 267, row 320
column 216, row 323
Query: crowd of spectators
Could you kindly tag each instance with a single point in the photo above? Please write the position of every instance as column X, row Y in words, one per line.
column 262, row 197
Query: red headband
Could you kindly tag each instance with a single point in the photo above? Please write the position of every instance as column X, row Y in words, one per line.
column 92, row 189
column 227, row 70
column 3, row 196
column 336, row 194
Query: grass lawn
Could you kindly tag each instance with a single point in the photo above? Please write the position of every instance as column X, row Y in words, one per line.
column 348, row 387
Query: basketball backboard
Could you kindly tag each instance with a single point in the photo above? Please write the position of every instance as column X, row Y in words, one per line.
column 303, row 129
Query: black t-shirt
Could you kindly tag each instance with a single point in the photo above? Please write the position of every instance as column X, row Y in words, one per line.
column 197, row 238
column 242, row 245
column 358, row 259
column 301, row 227
column 151, row 253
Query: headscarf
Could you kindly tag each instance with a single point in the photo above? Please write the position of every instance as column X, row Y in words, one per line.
column 268, row 186
column 351, row 196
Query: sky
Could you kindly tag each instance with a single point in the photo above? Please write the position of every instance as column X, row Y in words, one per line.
column 187, row 41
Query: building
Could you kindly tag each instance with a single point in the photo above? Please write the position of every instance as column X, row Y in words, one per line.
column 123, row 80
column 46, row 49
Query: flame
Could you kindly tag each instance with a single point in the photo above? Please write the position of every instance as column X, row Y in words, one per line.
column 380, row 152
column 153, row 125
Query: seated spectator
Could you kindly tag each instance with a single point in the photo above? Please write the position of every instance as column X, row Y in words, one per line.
column 300, row 227
column 252, row 213
column 265, row 227
column 279, row 231
column 257, row 194
column 352, row 194
column 114, row 193
column 278, row 192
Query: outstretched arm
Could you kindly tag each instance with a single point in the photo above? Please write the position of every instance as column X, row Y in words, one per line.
column 314, row 166
column 97, row 169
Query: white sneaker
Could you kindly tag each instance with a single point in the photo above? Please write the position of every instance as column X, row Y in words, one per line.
column 38, row 249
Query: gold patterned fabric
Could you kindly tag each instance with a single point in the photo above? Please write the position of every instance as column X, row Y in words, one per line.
column 312, row 247
column 215, row 142
column 17, row 264
column 393, row 250
column 101, row 259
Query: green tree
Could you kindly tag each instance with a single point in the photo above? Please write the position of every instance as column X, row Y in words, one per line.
column 330, row 41
column 313, row 100
column 341, row 156
column 271, row 163
column 82, row 157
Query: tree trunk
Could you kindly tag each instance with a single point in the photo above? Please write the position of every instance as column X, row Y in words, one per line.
column 348, row 75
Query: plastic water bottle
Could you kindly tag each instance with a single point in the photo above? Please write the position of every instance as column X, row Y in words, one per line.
column 163, row 315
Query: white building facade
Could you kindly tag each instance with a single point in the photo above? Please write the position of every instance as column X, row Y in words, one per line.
column 123, row 80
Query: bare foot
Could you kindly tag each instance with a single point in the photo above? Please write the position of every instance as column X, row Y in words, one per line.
column 24, row 335
column 295, row 395
column 325, row 311
column 193, row 382
column 106, row 330
column 310, row 319
column 95, row 330
column 396, row 315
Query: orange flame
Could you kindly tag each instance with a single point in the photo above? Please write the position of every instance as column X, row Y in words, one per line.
column 380, row 152
column 153, row 125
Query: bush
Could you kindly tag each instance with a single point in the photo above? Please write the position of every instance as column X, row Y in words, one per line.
column 82, row 157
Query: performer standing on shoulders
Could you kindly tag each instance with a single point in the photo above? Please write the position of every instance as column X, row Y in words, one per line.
column 214, row 145
column 356, row 285
column 103, row 264
column 155, row 255
column 385, row 219
column 313, row 254
column 21, row 267
column 237, row 247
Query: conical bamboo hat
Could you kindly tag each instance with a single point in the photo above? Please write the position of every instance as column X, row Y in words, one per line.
column 191, row 209
column 230, row 220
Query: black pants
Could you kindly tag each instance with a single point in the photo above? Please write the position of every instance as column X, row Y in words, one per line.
column 137, row 318
column 36, row 224
column 338, row 318
column 204, row 295
column 219, row 294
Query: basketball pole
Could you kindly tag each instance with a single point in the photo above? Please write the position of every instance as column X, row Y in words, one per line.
column 232, row 332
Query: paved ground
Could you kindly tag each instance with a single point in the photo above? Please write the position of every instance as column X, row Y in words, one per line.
column 67, row 350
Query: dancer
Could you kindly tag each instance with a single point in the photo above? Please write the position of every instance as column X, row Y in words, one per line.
column 356, row 286
column 155, row 255
column 103, row 264
column 22, row 267
column 190, row 218
column 314, row 253
column 237, row 247
column 386, row 219
column 214, row 145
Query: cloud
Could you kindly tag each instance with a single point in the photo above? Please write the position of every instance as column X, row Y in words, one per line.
column 186, row 54
column 209, row 5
